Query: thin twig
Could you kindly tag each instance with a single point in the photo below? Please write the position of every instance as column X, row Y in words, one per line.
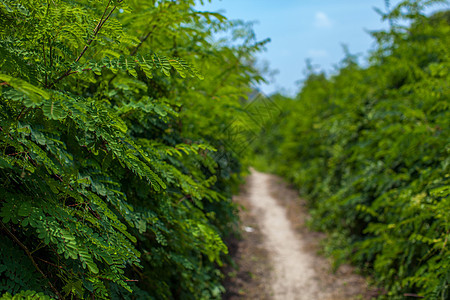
column 148, row 34
column 20, row 115
column 50, row 52
column 137, row 47
column 32, row 259
column 45, row 62
column 38, row 248
column 16, row 153
column 103, row 15
column 412, row 295
column 143, row 40
column 23, row 112
column 47, row 262
column 96, row 31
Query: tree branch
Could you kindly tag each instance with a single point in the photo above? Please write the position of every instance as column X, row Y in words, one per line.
column 32, row 259
column 97, row 28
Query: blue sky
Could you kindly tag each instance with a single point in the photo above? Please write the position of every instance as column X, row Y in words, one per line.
column 302, row 29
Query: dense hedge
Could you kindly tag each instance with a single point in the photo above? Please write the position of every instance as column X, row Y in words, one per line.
column 369, row 147
column 116, row 171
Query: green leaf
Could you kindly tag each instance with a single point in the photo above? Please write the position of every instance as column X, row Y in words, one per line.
column 33, row 93
column 53, row 110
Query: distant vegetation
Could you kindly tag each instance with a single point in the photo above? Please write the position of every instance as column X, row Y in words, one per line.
column 370, row 149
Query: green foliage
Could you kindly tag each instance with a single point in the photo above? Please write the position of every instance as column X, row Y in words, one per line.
column 112, row 178
column 370, row 149
column 25, row 295
column 16, row 270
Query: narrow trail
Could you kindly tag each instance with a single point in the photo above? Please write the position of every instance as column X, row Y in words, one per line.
column 294, row 276
column 277, row 256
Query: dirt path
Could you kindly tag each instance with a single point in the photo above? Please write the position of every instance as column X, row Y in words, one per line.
column 294, row 276
column 278, row 255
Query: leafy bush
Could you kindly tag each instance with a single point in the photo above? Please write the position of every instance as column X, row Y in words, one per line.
column 113, row 182
column 370, row 149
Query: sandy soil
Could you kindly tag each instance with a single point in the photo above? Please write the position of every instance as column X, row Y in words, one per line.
column 293, row 273
column 277, row 256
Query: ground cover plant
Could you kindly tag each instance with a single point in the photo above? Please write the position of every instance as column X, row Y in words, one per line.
column 369, row 147
column 116, row 172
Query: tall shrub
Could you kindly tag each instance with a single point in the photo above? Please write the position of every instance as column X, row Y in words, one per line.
column 111, row 185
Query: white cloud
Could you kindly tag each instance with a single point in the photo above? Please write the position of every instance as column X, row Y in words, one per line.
column 321, row 20
column 317, row 53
